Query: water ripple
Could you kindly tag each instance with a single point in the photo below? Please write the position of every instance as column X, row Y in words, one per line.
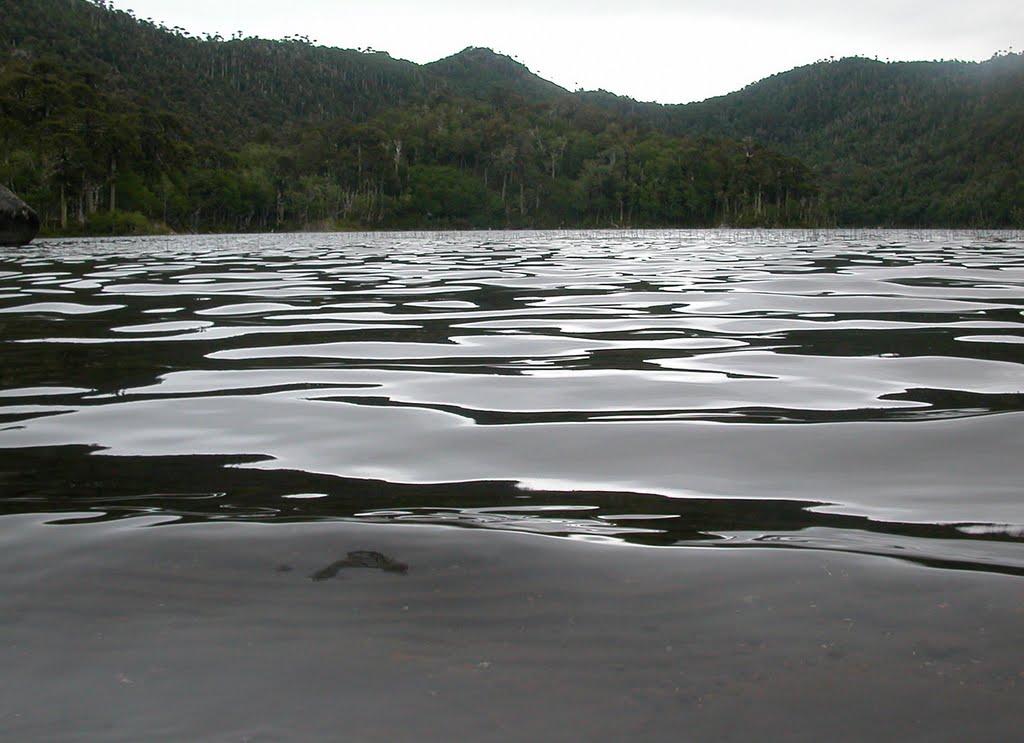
column 874, row 375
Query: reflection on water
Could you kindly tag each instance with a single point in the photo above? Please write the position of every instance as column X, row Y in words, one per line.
column 860, row 393
column 79, row 487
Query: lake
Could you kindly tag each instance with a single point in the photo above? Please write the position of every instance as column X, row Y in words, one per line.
column 507, row 486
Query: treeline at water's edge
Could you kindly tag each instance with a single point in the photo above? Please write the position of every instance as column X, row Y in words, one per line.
column 91, row 161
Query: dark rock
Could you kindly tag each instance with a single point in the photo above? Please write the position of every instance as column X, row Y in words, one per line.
column 19, row 222
column 361, row 559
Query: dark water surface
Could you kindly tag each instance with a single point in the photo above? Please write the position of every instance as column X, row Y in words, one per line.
column 513, row 486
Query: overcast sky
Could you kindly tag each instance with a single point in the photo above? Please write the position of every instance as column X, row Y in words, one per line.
column 671, row 51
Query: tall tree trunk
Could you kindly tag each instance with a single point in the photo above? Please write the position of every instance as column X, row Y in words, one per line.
column 113, row 184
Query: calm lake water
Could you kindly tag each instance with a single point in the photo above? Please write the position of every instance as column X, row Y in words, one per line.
column 513, row 486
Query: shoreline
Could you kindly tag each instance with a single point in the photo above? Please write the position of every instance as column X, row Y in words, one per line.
column 1015, row 231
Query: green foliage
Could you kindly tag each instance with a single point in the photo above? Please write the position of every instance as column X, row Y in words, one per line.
column 890, row 144
column 112, row 124
column 121, row 223
column 448, row 196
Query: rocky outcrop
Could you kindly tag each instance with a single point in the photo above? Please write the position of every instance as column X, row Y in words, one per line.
column 19, row 222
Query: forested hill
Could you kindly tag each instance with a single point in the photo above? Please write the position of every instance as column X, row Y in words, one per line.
column 903, row 143
column 238, row 85
column 480, row 73
column 113, row 123
column 109, row 123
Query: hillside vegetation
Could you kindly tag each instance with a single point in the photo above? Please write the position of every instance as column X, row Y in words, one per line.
column 110, row 123
column 905, row 143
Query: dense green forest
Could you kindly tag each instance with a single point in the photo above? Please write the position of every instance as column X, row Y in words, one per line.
column 109, row 123
column 905, row 143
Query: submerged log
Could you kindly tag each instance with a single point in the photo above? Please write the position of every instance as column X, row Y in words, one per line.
column 19, row 222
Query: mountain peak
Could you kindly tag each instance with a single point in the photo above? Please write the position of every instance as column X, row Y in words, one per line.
column 480, row 71
column 482, row 55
